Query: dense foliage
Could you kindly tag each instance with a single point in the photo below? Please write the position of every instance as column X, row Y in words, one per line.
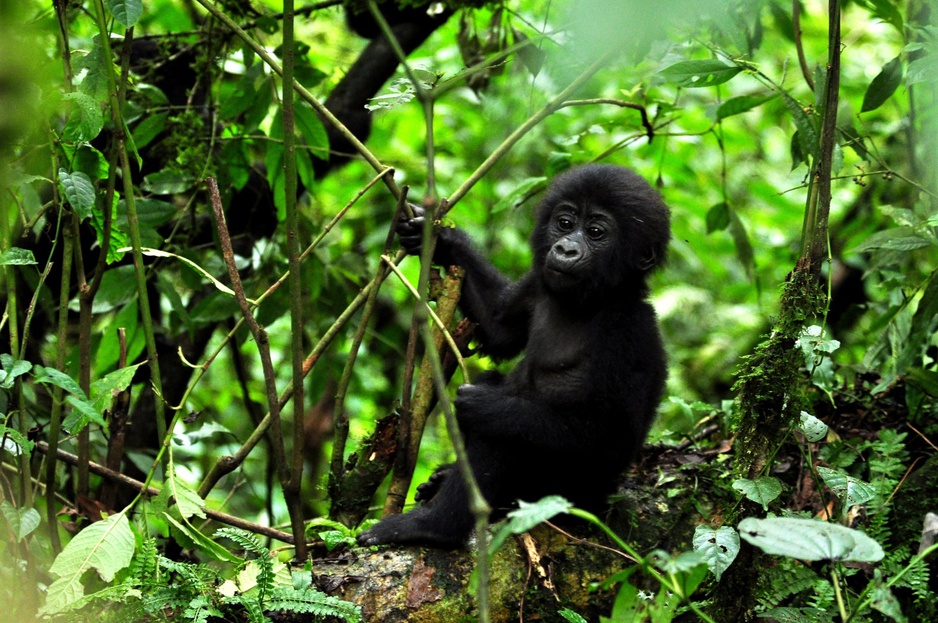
column 129, row 341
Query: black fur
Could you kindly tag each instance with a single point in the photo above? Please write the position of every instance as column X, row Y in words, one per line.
column 576, row 409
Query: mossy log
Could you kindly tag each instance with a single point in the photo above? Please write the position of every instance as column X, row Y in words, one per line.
column 534, row 576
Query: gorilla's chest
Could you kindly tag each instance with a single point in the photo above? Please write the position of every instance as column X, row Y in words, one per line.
column 557, row 352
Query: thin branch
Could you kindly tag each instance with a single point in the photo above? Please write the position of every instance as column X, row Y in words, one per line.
column 646, row 123
column 140, row 487
column 796, row 26
column 260, row 335
column 527, row 126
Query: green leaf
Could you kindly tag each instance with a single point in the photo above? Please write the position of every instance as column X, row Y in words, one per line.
column 886, row 602
column 806, row 135
column 883, row 85
column 168, row 182
column 809, row 539
column 94, row 83
column 83, row 413
column 847, row 488
column 741, row 104
column 127, row 12
column 59, row 379
column 22, row 521
column 106, row 546
column 149, row 128
column 12, row 368
column 571, row 616
column 896, row 239
column 86, row 120
column 813, row 429
column 718, row 217
column 311, row 130
column 744, row 251
column 204, row 543
column 105, row 389
column 79, row 190
column 719, row 547
column 705, row 73
column 528, row 515
column 16, row 256
column 761, row 490
column 521, row 193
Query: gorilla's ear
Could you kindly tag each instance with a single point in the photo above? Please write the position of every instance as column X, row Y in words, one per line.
column 649, row 261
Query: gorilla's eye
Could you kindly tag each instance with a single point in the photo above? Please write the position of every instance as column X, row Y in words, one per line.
column 595, row 232
column 565, row 223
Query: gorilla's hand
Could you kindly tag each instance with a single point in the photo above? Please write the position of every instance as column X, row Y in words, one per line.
column 410, row 230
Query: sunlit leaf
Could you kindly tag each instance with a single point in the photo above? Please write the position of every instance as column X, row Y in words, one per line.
column 703, row 73
column 719, row 547
column 761, row 490
column 847, row 488
column 127, row 12
column 16, row 256
column 106, row 546
column 809, row 539
column 79, row 190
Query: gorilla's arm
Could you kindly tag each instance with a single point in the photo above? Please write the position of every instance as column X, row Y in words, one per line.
column 499, row 306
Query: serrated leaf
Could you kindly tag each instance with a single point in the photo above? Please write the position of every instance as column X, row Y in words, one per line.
column 79, row 190
column 813, row 429
column 761, row 490
column 809, row 539
column 883, row 85
column 739, row 105
column 59, row 379
column 103, row 390
column 106, row 546
column 22, row 521
column 703, row 73
column 16, row 256
column 719, row 547
column 127, row 12
column 895, row 239
column 87, row 119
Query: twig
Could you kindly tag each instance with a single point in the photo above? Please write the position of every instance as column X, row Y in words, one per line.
column 646, row 123
column 225, row 518
column 548, row 109
column 796, row 27
column 260, row 338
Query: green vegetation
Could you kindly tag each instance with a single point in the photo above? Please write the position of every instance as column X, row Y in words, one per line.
column 172, row 310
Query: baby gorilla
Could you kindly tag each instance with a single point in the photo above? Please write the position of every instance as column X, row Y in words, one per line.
column 574, row 412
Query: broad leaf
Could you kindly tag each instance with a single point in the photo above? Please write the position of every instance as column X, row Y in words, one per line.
column 16, row 256
column 813, row 429
column 22, row 521
column 79, row 190
column 705, row 73
column 127, row 12
column 719, row 547
column 741, row 104
column 809, row 539
column 847, row 488
column 761, row 490
column 106, row 546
